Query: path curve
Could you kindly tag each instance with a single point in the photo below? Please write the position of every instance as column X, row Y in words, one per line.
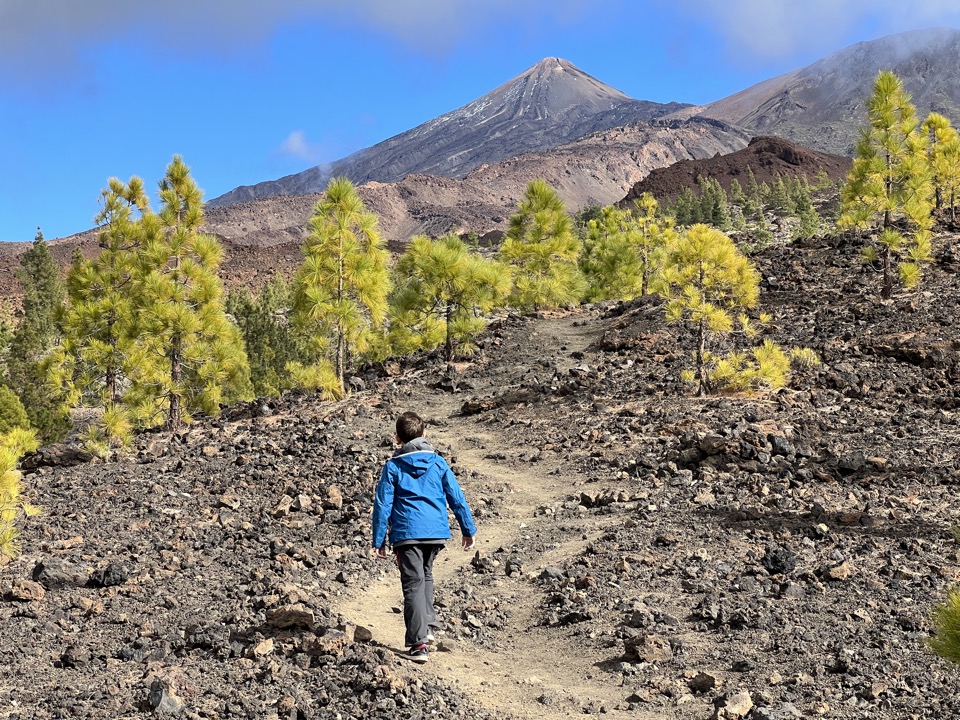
column 528, row 672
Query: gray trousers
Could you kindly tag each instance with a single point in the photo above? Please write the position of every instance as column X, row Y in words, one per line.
column 416, row 578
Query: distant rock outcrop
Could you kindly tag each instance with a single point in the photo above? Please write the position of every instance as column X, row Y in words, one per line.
column 767, row 157
column 551, row 104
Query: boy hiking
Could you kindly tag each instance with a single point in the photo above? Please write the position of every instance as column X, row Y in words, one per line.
column 413, row 493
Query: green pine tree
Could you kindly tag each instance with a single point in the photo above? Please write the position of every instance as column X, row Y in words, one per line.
column 737, row 196
column 761, row 230
column 891, row 179
column 270, row 341
column 187, row 356
column 441, row 292
column 716, row 206
column 807, row 214
column 946, row 621
column 651, row 236
column 13, row 445
column 609, row 261
column 624, row 250
column 340, row 291
column 753, row 192
column 706, row 281
column 92, row 361
column 943, row 155
column 12, row 414
column 686, row 208
column 781, row 200
column 543, row 251
column 949, row 169
column 37, row 332
column 583, row 218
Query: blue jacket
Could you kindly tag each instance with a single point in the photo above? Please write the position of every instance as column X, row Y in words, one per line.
column 415, row 487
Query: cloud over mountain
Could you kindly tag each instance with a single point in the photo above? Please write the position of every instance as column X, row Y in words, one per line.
column 779, row 29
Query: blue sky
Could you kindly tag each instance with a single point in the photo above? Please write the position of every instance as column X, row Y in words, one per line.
column 247, row 90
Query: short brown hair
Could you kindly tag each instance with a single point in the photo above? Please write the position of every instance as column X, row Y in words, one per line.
column 409, row 427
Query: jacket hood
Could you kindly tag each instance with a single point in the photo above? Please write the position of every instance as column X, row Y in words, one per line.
column 419, row 444
column 416, row 457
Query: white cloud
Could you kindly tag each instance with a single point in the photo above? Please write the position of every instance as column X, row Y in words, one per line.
column 47, row 36
column 297, row 147
column 780, row 28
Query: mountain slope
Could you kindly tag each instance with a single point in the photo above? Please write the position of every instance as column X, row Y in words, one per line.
column 823, row 105
column 597, row 169
column 766, row 157
column 261, row 237
column 550, row 104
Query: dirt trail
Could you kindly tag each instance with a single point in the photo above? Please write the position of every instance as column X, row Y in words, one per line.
column 529, row 671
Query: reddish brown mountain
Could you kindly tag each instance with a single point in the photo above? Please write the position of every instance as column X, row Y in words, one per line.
column 767, row 157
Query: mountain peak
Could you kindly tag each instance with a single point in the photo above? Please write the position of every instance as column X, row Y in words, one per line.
column 549, row 104
column 558, row 85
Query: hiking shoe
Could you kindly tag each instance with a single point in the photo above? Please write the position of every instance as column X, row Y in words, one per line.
column 418, row 653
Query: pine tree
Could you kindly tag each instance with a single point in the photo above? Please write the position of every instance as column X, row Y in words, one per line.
column 890, row 178
column 949, row 164
column 187, row 356
column 13, row 445
column 761, row 229
column 654, row 233
column 706, row 279
column 807, row 214
column 270, row 341
column 781, row 200
column 753, row 192
column 12, row 414
column 6, row 335
column 542, row 249
column 340, row 290
column 737, row 196
column 92, row 361
column 610, row 261
column 686, row 208
column 36, row 333
column 714, row 204
column 943, row 153
column 583, row 218
column 946, row 621
column 441, row 292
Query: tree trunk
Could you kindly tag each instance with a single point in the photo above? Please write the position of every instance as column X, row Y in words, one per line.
column 703, row 383
column 341, row 334
column 111, row 374
column 887, row 277
column 646, row 272
column 888, row 189
column 448, row 348
column 175, row 416
column 701, row 342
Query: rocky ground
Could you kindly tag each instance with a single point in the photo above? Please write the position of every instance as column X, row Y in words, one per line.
column 642, row 553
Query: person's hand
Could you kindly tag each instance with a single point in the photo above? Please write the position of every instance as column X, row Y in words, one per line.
column 467, row 542
column 382, row 552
